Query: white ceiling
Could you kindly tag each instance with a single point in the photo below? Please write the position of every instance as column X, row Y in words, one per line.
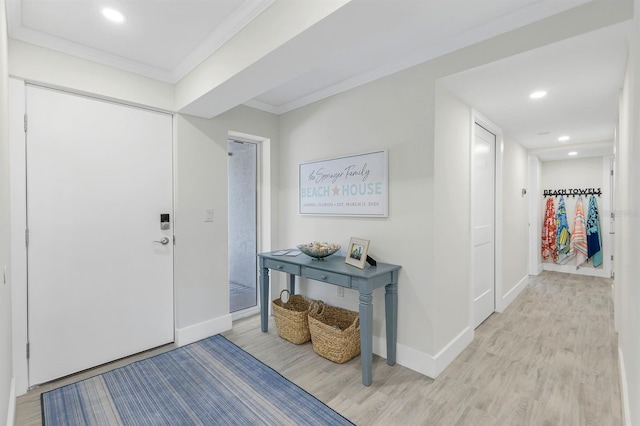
column 582, row 75
column 359, row 42
column 374, row 34
column 161, row 39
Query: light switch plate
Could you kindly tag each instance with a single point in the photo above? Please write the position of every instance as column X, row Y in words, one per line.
column 208, row 215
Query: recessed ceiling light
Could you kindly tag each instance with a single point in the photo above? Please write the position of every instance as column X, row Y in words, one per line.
column 113, row 15
column 538, row 94
column 573, row 153
column 564, row 138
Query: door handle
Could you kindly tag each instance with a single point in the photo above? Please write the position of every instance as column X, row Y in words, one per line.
column 164, row 241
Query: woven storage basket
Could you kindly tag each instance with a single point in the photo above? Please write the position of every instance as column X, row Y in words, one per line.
column 292, row 318
column 335, row 332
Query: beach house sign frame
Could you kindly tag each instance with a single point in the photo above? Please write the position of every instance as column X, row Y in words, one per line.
column 354, row 185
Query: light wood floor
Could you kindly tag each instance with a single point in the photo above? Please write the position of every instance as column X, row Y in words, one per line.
column 549, row 359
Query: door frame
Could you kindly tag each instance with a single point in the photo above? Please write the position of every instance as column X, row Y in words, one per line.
column 499, row 303
column 263, row 204
column 18, row 196
column 241, row 313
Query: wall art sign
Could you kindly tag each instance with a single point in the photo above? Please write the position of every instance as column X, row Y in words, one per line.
column 355, row 185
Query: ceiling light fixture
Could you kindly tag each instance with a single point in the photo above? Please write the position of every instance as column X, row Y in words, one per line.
column 572, row 153
column 538, row 94
column 564, row 138
column 113, row 15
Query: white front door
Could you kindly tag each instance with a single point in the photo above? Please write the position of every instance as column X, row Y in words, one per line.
column 100, row 286
column 483, row 223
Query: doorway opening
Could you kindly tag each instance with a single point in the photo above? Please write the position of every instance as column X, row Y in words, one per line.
column 243, row 229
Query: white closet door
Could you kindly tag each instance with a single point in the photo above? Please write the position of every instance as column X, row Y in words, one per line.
column 99, row 175
column 483, row 223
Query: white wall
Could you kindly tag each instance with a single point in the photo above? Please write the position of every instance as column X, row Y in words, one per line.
column 579, row 174
column 427, row 133
column 387, row 114
column 627, row 228
column 41, row 65
column 201, row 259
column 7, row 397
column 515, row 222
column 450, row 292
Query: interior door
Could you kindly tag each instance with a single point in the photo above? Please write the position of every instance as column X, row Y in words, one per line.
column 483, row 223
column 100, row 275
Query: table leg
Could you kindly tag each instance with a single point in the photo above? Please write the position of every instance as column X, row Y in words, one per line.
column 366, row 336
column 264, row 298
column 391, row 319
column 292, row 284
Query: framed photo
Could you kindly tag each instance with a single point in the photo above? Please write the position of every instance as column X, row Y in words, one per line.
column 357, row 252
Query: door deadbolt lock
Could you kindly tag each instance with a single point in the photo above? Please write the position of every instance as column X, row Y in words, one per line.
column 165, row 221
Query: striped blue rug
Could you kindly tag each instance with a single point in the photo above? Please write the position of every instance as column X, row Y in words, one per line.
column 210, row 382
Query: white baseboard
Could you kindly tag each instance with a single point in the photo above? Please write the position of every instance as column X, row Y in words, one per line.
column 202, row 330
column 624, row 390
column 507, row 299
column 428, row 365
column 571, row 269
column 244, row 313
column 450, row 352
column 11, row 407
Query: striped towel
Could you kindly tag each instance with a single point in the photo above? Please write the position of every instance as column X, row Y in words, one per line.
column 579, row 235
column 563, row 237
column 594, row 243
column 549, row 231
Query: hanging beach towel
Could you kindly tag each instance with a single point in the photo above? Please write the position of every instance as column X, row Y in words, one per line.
column 594, row 243
column 549, row 231
column 563, row 237
column 579, row 235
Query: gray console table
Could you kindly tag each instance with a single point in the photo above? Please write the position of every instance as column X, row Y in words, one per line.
column 333, row 270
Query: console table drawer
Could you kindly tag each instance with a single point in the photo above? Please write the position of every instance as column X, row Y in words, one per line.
column 282, row 266
column 329, row 277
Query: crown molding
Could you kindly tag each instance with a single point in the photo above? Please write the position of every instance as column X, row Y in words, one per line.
column 506, row 23
column 239, row 19
column 75, row 49
column 263, row 106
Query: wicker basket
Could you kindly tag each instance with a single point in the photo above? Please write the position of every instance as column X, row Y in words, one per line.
column 335, row 332
column 291, row 318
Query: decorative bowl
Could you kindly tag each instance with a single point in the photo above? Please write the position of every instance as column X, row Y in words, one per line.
column 318, row 250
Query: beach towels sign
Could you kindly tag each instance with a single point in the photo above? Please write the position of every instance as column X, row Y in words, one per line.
column 572, row 192
column 355, row 185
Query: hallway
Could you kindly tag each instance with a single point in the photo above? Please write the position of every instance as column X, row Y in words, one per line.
column 549, row 359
